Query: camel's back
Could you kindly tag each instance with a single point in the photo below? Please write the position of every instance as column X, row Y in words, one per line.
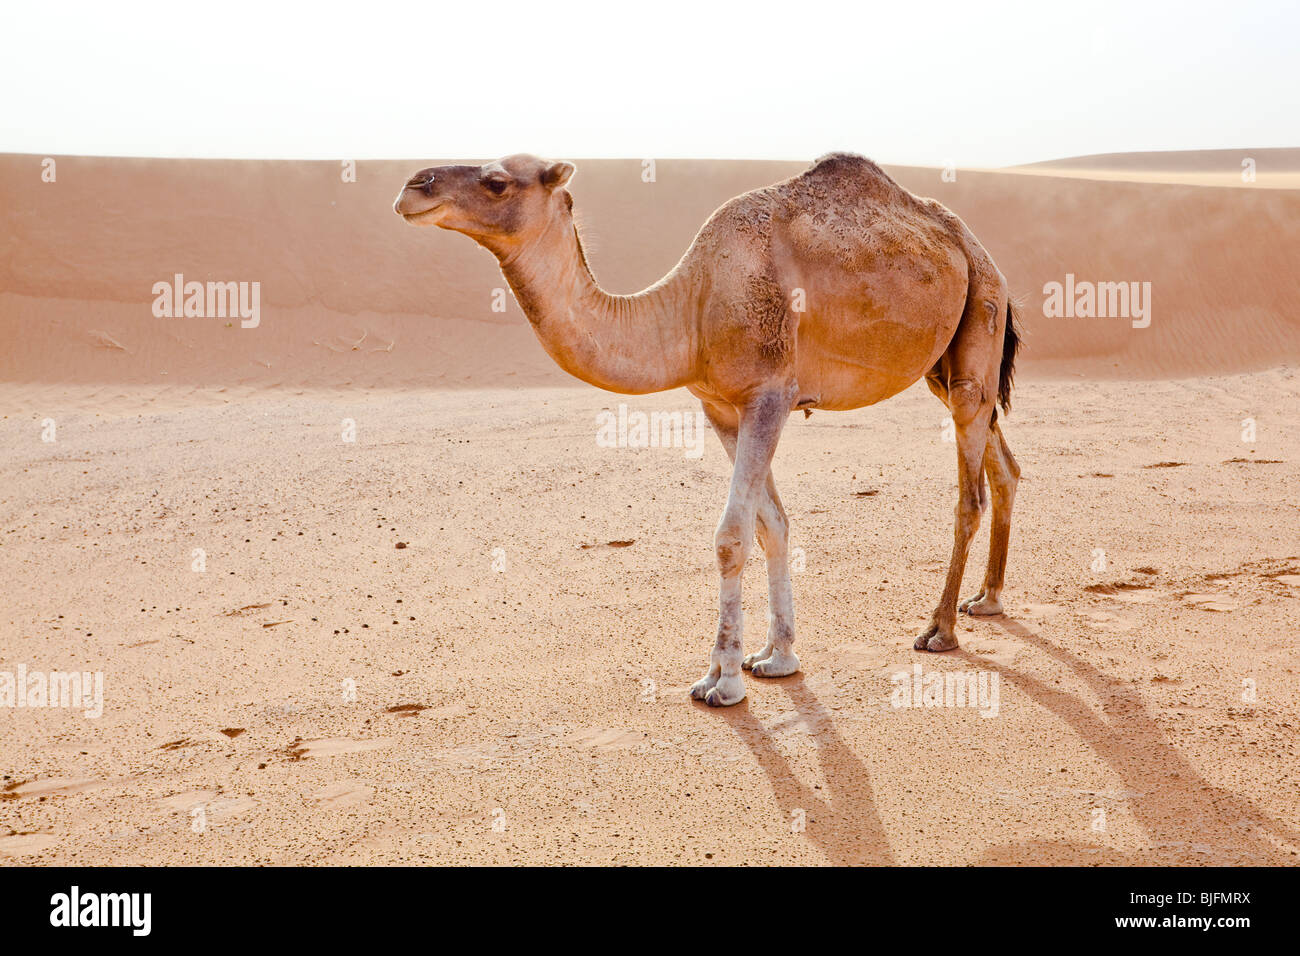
column 846, row 210
column 875, row 278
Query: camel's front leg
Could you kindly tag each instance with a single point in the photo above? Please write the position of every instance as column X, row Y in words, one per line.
column 777, row 657
column 759, row 431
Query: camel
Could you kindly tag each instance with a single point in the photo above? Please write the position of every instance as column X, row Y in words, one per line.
column 833, row 290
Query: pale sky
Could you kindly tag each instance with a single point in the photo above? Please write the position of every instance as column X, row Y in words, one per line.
column 913, row 81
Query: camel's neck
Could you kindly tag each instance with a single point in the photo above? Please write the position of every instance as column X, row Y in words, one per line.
column 647, row 342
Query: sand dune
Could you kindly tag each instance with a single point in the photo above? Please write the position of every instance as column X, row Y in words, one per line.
column 350, row 295
column 1247, row 168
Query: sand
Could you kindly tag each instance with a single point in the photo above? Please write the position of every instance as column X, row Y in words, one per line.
column 466, row 636
column 1245, row 168
column 353, row 297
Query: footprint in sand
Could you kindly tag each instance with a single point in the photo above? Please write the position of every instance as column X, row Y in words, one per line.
column 216, row 807
column 611, row 738
column 864, row 657
column 25, row 844
column 794, row 724
column 52, row 786
column 1136, row 596
column 342, row 793
column 1041, row 612
column 1105, row 621
column 1125, row 591
column 330, row 746
column 188, row 799
column 997, row 650
column 1209, row 602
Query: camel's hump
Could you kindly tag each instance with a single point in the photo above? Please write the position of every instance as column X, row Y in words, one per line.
column 850, row 174
column 849, row 165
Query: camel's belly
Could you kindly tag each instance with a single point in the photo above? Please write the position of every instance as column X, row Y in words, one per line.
column 850, row 358
column 872, row 328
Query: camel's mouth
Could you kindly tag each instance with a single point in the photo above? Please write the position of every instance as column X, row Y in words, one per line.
column 426, row 216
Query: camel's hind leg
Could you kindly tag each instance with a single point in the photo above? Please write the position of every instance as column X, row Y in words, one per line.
column 777, row 657
column 966, row 379
column 1003, row 474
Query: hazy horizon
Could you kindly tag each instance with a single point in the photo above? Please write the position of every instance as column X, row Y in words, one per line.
column 906, row 87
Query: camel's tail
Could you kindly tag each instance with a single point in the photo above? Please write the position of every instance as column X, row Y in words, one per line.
column 1010, row 346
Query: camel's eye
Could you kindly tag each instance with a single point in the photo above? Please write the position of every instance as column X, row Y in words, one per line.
column 497, row 186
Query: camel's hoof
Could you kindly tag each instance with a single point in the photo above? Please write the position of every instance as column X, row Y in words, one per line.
column 779, row 664
column 700, row 689
column 752, row 659
column 980, row 606
column 727, row 691
column 932, row 640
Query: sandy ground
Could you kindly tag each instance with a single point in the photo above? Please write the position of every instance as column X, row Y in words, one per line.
column 529, row 704
column 467, row 635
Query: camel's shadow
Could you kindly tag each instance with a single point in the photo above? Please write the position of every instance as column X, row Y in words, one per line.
column 1185, row 818
column 843, row 823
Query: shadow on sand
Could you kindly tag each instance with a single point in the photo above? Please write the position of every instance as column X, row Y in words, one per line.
column 1186, row 819
column 842, row 821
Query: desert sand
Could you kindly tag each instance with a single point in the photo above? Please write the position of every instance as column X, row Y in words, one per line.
column 1250, row 169
column 466, row 636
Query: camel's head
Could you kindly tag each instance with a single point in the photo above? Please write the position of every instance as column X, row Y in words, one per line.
column 506, row 201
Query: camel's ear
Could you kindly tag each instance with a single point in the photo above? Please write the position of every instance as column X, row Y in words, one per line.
column 557, row 174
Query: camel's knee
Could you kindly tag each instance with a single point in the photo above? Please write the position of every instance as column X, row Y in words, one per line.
column 1003, row 483
column 966, row 399
column 732, row 547
column 970, row 506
